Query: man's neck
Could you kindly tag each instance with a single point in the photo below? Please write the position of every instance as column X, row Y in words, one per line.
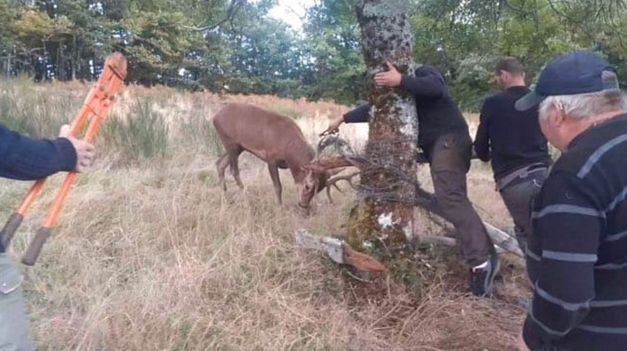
column 517, row 82
column 593, row 121
column 598, row 119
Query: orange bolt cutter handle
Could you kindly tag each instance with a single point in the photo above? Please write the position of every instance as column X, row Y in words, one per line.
column 96, row 105
column 34, row 249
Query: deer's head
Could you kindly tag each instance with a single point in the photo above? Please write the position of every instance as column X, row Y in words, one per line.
column 315, row 180
column 319, row 175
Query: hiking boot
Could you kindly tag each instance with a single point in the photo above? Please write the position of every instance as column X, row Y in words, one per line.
column 482, row 276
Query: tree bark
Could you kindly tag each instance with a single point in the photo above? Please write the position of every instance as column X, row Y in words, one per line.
column 75, row 57
column 382, row 222
column 60, row 62
column 9, row 64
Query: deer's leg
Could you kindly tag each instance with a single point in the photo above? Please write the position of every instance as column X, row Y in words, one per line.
column 276, row 181
column 233, row 161
column 221, row 165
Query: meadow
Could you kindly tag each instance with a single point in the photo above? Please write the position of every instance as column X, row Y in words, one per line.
column 150, row 254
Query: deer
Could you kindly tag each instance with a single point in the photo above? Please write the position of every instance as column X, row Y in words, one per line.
column 279, row 142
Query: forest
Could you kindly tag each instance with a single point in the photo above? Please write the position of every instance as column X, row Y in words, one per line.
column 233, row 46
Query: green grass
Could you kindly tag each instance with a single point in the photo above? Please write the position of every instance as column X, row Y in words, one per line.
column 143, row 134
column 35, row 110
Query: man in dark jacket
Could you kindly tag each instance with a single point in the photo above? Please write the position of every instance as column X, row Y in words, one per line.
column 24, row 158
column 577, row 251
column 513, row 140
column 444, row 138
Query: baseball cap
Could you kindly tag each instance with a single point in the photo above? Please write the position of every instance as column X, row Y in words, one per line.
column 577, row 72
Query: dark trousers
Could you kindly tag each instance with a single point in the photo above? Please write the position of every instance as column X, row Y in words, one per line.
column 518, row 197
column 450, row 162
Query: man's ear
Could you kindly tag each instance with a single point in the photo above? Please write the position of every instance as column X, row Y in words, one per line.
column 558, row 117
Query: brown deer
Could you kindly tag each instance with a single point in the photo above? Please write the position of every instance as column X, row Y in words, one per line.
column 273, row 138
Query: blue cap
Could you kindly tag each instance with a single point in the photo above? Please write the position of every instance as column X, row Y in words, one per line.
column 577, row 72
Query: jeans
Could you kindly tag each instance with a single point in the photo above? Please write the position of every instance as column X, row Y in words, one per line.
column 14, row 323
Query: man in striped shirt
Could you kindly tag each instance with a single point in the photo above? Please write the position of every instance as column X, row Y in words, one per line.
column 577, row 252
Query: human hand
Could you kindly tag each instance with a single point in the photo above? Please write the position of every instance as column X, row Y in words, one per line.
column 85, row 151
column 391, row 78
column 334, row 126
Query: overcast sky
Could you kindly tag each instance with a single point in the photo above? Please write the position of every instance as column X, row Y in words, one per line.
column 291, row 11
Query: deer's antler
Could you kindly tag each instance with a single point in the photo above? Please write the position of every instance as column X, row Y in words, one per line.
column 332, row 162
column 333, row 183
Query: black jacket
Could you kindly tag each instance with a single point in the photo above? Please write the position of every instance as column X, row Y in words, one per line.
column 438, row 114
column 511, row 139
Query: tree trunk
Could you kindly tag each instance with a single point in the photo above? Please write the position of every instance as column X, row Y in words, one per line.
column 382, row 222
column 75, row 58
column 9, row 64
column 59, row 62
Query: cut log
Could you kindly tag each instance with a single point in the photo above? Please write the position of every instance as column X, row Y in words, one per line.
column 338, row 251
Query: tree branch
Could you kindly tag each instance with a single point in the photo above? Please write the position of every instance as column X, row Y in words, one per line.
column 234, row 6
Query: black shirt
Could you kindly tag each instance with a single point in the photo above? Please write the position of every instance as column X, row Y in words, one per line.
column 511, row 138
column 577, row 252
column 438, row 114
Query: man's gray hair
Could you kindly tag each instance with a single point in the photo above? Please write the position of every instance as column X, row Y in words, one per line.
column 581, row 106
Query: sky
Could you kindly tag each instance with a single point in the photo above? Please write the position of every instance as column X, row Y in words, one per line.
column 291, row 11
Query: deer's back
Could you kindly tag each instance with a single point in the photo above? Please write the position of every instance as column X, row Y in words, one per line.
column 264, row 133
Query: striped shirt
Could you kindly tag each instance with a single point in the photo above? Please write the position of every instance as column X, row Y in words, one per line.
column 577, row 253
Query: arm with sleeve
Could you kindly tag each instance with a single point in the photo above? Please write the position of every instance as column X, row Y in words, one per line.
column 430, row 85
column 482, row 138
column 567, row 226
column 359, row 115
column 24, row 158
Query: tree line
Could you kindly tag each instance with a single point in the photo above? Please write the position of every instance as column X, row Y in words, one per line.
column 234, row 46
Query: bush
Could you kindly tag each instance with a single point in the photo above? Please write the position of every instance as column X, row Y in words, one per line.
column 143, row 134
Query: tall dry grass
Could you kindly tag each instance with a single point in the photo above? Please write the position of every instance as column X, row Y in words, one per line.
column 151, row 255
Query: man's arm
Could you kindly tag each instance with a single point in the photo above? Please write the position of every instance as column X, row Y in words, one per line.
column 567, row 227
column 25, row 158
column 431, row 85
column 482, row 139
column 359, row 115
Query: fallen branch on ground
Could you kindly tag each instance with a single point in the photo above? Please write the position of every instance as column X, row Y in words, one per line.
column 424, row 199
column 338, row 251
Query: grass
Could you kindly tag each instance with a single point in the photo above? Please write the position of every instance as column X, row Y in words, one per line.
column 30, row 110
column 143, row 134
column 151, row 255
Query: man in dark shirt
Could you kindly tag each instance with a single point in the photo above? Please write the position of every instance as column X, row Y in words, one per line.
column 577, row 251
column 24, row 158
column 444, row 138
column 514, row 142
